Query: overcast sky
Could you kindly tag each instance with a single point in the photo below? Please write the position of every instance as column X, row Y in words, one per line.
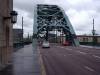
column 80, row 13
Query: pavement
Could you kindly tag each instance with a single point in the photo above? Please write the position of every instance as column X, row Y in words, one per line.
column 25, row 61
column 96, row 47
column 62, row 60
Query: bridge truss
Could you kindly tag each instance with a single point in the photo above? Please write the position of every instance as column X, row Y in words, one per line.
column 50, row 17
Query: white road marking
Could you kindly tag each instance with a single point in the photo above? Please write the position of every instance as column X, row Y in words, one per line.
column 64, row 55
column 70, row 54
column 81, row 52
column 65, row 48
column 60, row 46
column 88, row 68
column 57, row 46
column 96, row 56
column 69, row 49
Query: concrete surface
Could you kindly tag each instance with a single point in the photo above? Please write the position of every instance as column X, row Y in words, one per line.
column 25, row 62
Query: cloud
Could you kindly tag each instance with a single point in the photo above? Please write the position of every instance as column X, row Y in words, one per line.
column 80, row 13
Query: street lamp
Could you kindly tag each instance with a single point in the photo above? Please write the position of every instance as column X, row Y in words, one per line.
column 13, row 17
column 93, row 33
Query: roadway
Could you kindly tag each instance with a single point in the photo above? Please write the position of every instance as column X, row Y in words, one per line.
column 62, row 60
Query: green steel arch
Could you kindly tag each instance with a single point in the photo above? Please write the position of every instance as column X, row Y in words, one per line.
column 50, row 17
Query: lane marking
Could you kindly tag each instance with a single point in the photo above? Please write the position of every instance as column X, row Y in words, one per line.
column 74, row 50
column 65, row 48
column 43, row 71
column 61, row 47
column 88, row 68
column 64, row 55
column 70, row 54
column 57, row 46
column 69, row 49
column 96, row 56
column 81, row 52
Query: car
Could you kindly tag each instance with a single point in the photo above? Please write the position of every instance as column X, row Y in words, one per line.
column 65, row 43
column 45, row 44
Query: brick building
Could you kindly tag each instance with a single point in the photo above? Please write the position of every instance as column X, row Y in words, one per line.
column 17, row 37
column 6, row 45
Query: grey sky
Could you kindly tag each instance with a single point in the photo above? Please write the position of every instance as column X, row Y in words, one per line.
column 80, row 13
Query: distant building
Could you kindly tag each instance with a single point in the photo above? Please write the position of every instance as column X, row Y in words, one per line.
column 83, row 39
column 6, row 43
column 88, row 39
column 17, row 36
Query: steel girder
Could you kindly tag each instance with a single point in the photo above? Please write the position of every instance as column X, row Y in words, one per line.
column 53, row 17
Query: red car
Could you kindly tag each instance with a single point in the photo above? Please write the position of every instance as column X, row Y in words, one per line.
column 66, row 43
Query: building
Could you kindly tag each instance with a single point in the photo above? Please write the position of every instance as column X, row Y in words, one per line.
column 83, row 39
column 17, row 37
column 88, row 39
column 6, row 43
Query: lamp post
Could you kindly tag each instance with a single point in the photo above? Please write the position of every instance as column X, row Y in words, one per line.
column 93, row 33
column 13, row 17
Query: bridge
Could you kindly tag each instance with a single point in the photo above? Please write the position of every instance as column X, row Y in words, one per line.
column 49, row 18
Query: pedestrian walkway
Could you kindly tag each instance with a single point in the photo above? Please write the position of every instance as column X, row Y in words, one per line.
column 96, row 47
column 25, row 62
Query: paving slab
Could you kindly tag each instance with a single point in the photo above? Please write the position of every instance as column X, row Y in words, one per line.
column 25, row 61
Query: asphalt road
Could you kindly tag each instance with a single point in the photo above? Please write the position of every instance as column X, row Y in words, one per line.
column 61, row 60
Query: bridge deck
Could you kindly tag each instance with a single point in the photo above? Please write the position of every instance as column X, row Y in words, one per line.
column 57, row 60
